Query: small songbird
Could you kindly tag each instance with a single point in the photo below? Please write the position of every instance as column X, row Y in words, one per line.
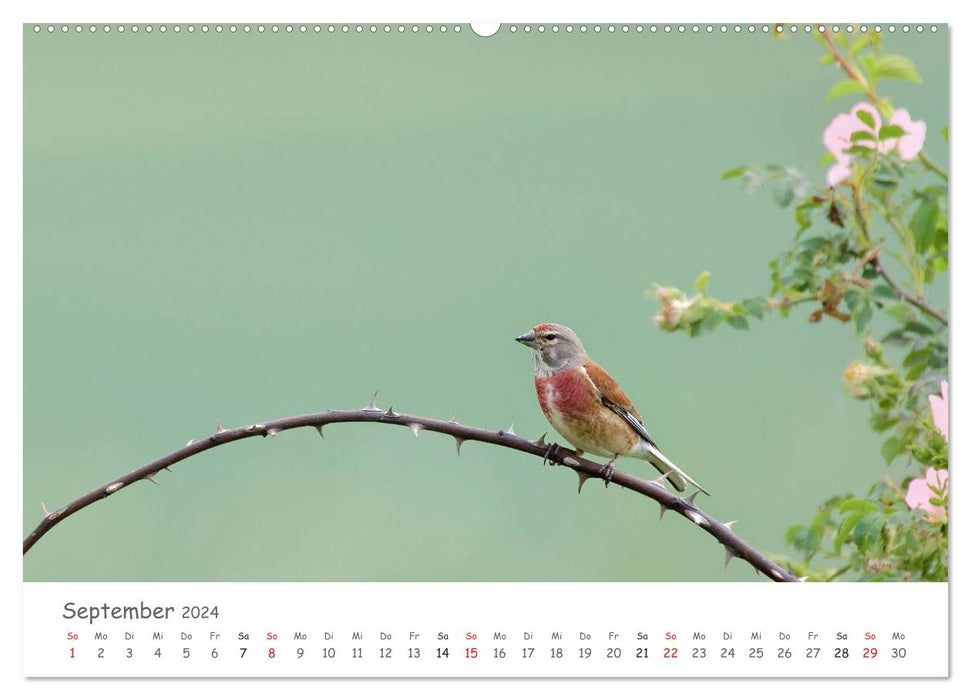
column 587, row 407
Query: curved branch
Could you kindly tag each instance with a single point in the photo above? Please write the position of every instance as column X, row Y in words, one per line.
column 919, row 302
column 585, row 469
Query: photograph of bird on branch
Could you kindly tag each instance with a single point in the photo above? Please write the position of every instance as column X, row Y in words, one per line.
column 361, row 229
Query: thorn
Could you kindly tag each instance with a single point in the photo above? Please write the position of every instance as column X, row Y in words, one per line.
column 583, row 479
column 571, row 462
column 255, row 428
column 320, row 430
column 540, row 441
column 661, row 479
column 371, row 405
column 690, row 500
column 458, row 445
column 43, row 507
column 151, row 477
column 729, row 555
column 415, row 427
column 664, row 509
column 697, row 518
column 111, row 488
column 272, row 431
column 390, row 413
column 511, row 430
column 190, row 442
column 729, row 524
column 454, row 419
column 219, row 427
column 803, row 579
column 166, row 469
column 777, row 574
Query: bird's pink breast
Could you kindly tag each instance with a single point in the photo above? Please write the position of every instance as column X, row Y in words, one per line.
column 572, row 406
column 567, row 392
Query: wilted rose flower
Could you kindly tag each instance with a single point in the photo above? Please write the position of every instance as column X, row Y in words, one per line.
column 856, row 374
column 672, row 309
column 921, row 491
column 837, row 138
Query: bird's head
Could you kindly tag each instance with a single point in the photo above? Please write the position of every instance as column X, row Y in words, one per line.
column 555, row 347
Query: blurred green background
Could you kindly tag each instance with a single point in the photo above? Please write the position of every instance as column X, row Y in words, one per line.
column 244, row 227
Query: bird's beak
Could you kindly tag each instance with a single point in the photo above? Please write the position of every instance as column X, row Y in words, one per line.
column 528, row 339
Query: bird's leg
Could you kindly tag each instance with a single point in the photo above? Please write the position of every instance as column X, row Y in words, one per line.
column 607, row 472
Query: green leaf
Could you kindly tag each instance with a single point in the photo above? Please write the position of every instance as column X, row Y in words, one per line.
column 891, row 448
column 916, row 371
column 846, row 527
column 735, row 172
column 783, row 194
column 895, row 337
column 738, row 322
column 917, row 356
column 863, row 317
column 754, row 306
column 859, row 45
column 895, row 66
column 890, row 131
column 701, row 283
column 710, row 321
column 867, row 532
column 792, row 532
column 856, row 504
column 881, row 422
column 884, row 292
column 804, row 274
column 919, row 328
column 864, row 116
column 826, row 159
column 844, row 87
column 815, row 243
column 900, row 312
column 923, row 224
column 861, row 135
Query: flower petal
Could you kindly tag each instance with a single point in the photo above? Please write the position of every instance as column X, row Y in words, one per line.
column 919, row 491
column 836, row 174
column 836, row 136
column 910, row 144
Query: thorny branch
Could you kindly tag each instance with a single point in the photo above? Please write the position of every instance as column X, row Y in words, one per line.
column 554, row 454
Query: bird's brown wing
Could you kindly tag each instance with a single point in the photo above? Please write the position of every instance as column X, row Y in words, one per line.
column 614, row 398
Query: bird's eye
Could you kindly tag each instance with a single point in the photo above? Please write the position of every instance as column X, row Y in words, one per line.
column 550, row 336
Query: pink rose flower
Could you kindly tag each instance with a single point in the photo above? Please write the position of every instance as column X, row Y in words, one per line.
column 837, row 138
column 939, row 409
column 921, row 491
column 909, row 145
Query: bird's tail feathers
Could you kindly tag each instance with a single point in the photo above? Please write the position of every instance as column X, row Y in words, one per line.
column 676, row 475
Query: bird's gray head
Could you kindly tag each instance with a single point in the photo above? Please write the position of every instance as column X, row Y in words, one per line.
column 555, row 347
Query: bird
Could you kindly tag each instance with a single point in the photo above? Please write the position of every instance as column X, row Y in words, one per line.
column 588, row 408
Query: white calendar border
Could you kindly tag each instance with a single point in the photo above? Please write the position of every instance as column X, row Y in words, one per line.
column 564, row 10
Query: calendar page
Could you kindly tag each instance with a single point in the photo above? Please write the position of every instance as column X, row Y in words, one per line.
column 513, row 350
